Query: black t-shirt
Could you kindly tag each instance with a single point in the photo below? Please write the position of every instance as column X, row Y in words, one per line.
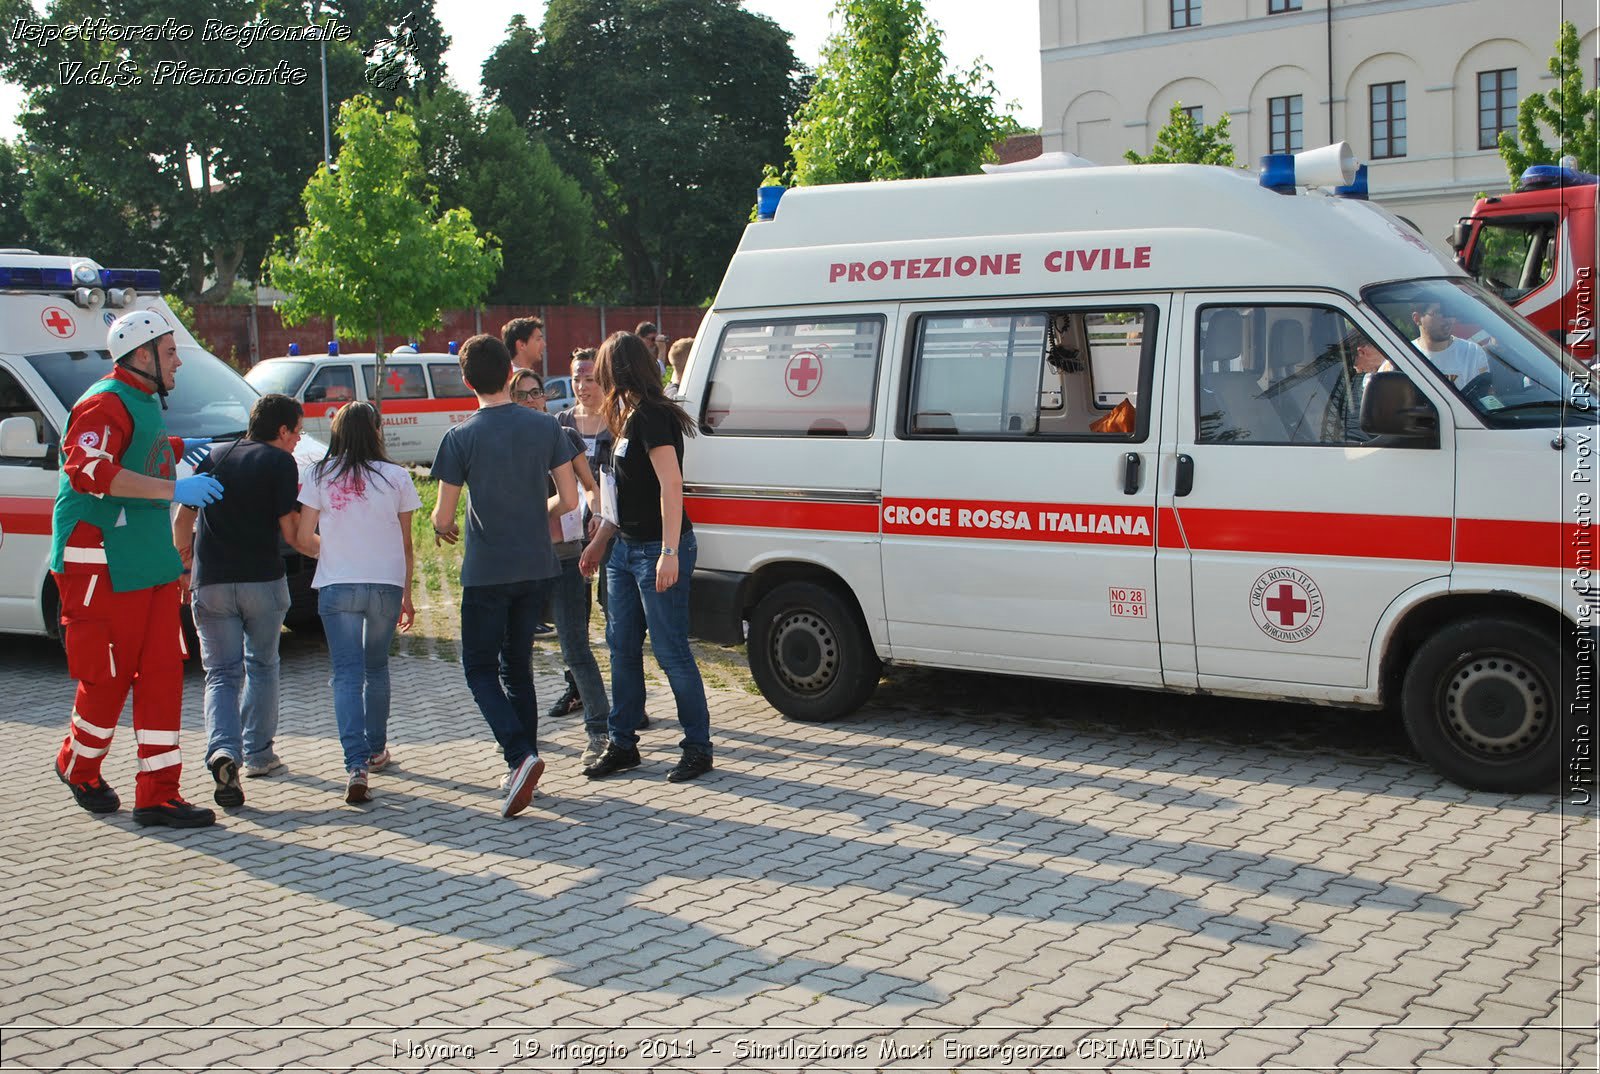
column 236, row 538
column 596, row 447
column 638, row 489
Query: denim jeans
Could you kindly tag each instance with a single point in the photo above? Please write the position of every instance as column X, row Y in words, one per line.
column 497, row 624
column 634, row 606
column 239, row 624
column 569, row 605
column 360, row 620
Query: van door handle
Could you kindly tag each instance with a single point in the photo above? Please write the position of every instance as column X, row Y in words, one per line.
column 1184, row 483
column 1130, row 473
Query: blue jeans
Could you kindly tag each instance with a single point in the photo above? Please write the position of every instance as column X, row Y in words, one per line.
column 569, row 605
column 634, row 606
column 497, row 624
column 239, row 624
column 360, row 620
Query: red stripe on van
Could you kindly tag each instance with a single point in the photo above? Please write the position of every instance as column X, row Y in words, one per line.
column 26, row 514
column 428, row 406
column 1314, row 533
column 783, row 514
column 1169, row 534
column 1524, row 544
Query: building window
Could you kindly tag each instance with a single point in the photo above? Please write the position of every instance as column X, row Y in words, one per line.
column 1497, row 105
column 1287, row 124
column 1278, row 7
column 1185, row 13
column 1196, row 114
column 1388, row 114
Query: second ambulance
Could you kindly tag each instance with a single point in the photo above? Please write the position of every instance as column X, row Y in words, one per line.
column 1165, row 426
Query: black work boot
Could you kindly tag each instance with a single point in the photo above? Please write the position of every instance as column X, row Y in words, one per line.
column 693, row 763
column 174, row 813
column 95, row 795
column 615, row 759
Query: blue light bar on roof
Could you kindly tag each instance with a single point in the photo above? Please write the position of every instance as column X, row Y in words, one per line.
column 1547, row 176
column 142, row 279
column 1277, row 172
column 28, row 278
column 1357, row 188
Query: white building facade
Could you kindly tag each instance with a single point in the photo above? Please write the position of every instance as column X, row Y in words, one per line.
column 1419, row 88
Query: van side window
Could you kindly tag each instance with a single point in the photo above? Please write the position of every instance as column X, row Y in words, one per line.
column 1281, row 375
column 17, row 402
column 332, row 384
column 1515, row 256
column 447, row 382
column 795, row 378
column 400, row 381
column 1033, row 373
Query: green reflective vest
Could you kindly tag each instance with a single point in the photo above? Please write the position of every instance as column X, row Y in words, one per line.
column 138, row 533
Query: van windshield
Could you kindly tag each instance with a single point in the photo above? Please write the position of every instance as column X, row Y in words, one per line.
column 1502, row 367
column 278, row 376
column 210, row 399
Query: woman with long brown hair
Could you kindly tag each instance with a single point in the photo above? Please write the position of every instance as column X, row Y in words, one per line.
column 363, row 581
column 652, row 560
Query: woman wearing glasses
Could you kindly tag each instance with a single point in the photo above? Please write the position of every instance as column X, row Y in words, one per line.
column 569, row 596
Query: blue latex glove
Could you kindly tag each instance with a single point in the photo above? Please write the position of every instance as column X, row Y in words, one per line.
column 190, row 443
column 197, row 491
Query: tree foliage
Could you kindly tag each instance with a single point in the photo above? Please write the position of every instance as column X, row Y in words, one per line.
column 194, row 179
column 883, row 106
column 1185, row 141
column 483, row 161
column 376, row 253
column 1569, row 113
column 663, row 110
column 14, row 182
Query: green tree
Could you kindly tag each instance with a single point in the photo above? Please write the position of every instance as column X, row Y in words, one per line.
column 14, row 183
column 663, row 110
column 484, row 162
column 883, row 106
column 1569, row 112
column 376, row 254
column 195, row 179
column 1184, row 141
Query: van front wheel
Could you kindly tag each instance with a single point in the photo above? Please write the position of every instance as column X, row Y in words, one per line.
column 810, row 654
column 1483, row 702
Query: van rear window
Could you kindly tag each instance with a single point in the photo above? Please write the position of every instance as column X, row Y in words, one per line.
column 400, row 381
column 447, row 382
column 795, row 378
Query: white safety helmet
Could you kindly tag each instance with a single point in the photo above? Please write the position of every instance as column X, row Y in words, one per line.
column 134, row 330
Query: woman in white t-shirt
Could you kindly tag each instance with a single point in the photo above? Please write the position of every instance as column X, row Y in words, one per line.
column 363, row 503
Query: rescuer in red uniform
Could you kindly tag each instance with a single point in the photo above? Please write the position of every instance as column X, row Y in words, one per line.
column 118, row 574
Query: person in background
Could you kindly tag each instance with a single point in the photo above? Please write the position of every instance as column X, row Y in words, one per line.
column 363, row 503
column 117, row 573
column 506, row 455
column 657, row 343
column 650, row 564
column 569, row 597
column 678, row 359
column 239, row 593
column 524, row 339
column 1460, row 361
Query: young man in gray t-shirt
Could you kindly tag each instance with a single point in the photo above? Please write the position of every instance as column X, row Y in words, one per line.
column 503, row 454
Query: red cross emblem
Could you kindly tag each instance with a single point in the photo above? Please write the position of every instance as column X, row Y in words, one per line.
column 395, row 380
column 57, row 323
column 803, row 375
column 1286, row 606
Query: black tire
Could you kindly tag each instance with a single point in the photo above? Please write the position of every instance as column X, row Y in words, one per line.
column 1485, row 703
column 810, row 653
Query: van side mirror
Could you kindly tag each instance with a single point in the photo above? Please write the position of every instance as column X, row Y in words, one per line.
column 19, row 439
column 1392, row 406
column 1460, row 234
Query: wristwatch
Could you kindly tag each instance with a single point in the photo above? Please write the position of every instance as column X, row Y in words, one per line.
column 665, row 551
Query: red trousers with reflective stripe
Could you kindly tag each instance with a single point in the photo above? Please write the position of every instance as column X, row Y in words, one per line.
column 117, row 643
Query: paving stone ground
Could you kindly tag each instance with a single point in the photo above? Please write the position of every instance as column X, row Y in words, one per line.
column 1070, row 879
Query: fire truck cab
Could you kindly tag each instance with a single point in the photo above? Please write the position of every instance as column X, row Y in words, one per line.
column 1163, row 426
column 1536, row 249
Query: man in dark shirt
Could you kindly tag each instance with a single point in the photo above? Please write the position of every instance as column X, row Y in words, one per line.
column 239, row 591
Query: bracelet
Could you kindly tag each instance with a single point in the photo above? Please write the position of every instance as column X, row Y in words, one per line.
column 665, row 551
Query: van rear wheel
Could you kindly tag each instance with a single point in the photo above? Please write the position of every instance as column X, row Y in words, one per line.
column 1485, row 704
column 810, row 653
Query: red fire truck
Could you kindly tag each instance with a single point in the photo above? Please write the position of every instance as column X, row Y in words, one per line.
column 1537, row 250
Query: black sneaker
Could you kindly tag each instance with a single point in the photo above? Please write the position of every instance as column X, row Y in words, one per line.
column 225, row 770
column 694, row 763
column 615, row 759
column 542, row 629
column 566, row 704
column 644, row 723
column 96, row 795
column 174, row 813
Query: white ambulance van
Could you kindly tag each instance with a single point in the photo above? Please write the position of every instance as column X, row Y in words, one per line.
column 53, row 346
column 1110, row 424
column 423, row 394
